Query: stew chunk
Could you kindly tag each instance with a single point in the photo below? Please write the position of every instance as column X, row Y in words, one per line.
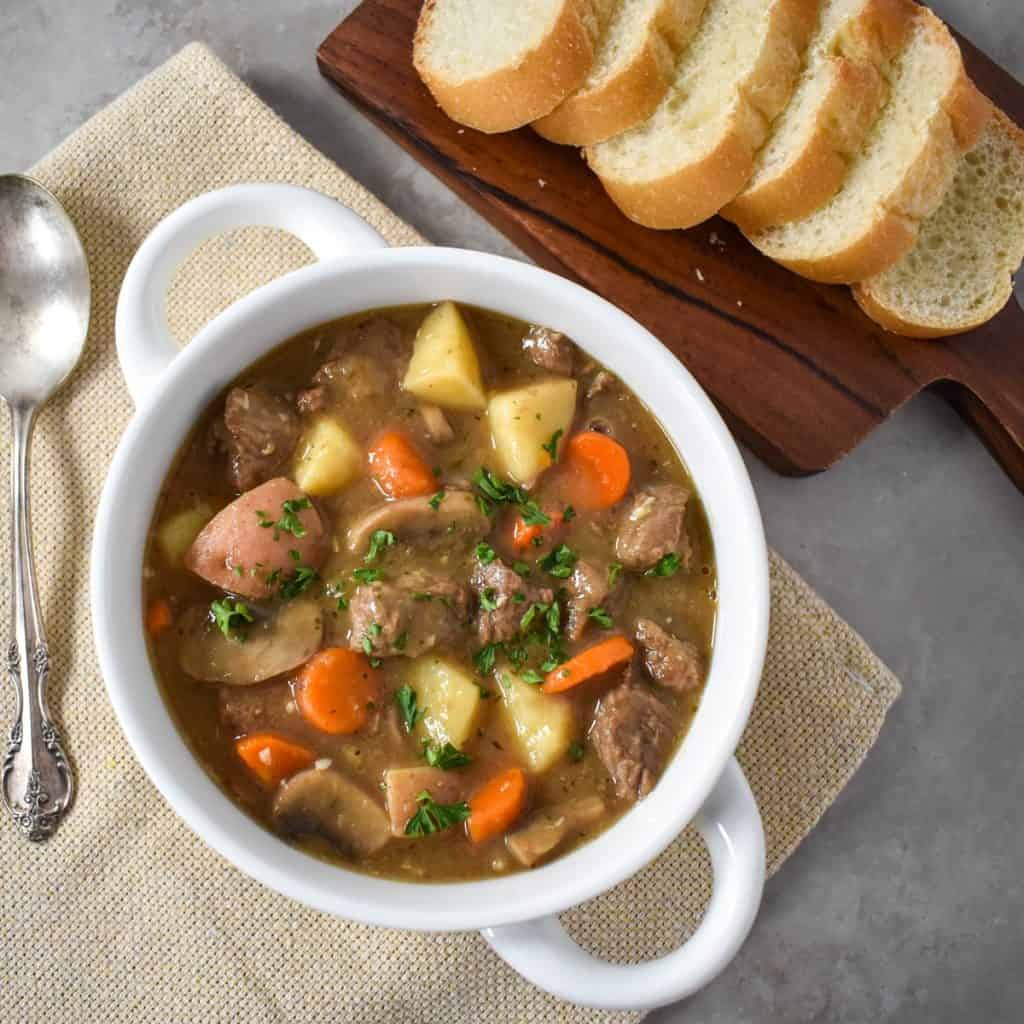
column 669, row 661
column 258, row 432
column 632, row 735
column 652, row 527
column 504, row 597
column 548, row 349
column 588, row 589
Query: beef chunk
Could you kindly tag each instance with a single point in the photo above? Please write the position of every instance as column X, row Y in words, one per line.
column 409, row 616
column 366, row 361
column 669, row 661
column 652, row 526
column 245, row 709
column 258, row 432
column 550, row 350
column 588, row 589
column 497, row 585
column 313, row 400
column 632, row 734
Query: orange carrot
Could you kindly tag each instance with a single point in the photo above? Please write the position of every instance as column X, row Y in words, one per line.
column 271, row 758
column 336, row 689
column 594, row 661
column 398, row 468
column 596, row 470
column 523, row 535
column 158, row 617
column 496, row 805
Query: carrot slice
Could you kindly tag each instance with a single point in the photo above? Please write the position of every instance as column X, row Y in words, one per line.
column 337, row 687
column 496, row 805
column 596, row 469
column 594, row 661
column 158, row 617
column 272, row 758
column 398, row 468
column 524, row 535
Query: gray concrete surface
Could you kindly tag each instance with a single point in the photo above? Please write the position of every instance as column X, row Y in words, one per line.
column 906, row 904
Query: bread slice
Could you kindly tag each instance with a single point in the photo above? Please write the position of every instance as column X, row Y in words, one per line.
column 496, row 65
column 836, row 100
column 633, row 69
column 696, row 151
column 899, row 176
column 959, row 274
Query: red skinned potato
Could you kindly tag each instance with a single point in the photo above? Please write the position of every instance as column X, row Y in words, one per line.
column 236, row 553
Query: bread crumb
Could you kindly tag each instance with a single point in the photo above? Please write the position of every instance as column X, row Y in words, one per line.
column 700, row 275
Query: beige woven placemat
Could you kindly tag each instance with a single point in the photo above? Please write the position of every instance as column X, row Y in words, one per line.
column 125, row 915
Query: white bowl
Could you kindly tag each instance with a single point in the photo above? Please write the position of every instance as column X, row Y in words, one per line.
column 702, row 783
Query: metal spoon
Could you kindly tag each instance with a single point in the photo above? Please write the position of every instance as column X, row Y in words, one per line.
column 44, row 316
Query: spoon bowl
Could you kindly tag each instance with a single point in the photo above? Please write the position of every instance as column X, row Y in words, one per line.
column 44, row 318
column 44, row 292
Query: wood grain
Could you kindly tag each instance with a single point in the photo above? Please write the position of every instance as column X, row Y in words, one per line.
column 800, row 373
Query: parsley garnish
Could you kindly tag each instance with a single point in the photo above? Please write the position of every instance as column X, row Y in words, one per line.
column 532, row 677
column 446, row 756
column 405, row 698
column 559, row 561
column 486, row 508
column 379, row 541
column 401, row 640
column 337, row 591
column 576, row 751
column 422, row 595
column 487, row 600
column 289, row 521
column 434, row 817
column 667, row 565
column 298, row 582
column 366, row 575
column 484, row 659
column 614, row 570
column 552, row 446
column 232, row 617
column 601, row 617
column 435, row 501
column 496, row 490
column 485, row 553
column 568, row 513
column 522, row 568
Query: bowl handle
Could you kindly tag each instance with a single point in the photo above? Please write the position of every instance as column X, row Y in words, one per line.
column 543, row 953
column 145, row 345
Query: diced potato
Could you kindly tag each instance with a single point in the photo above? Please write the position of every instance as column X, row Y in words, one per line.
column 542, row 724
column 444, row 368
column 522, row 421
column 449, row 697
column 329, row 458
column 174, row 536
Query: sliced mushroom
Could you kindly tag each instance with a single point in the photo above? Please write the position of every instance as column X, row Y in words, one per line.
column 549, row 828
column 324, row 802
column 277, row 641
column 436, row 423
column 417, row 516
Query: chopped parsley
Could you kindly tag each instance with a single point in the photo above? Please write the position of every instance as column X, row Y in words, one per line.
column 614, row 571
column 559, row 562
column 576, row 751
column 667, row 565
column 487, row 600
column 433, row 817
column 289, row 521
column 601, row 617
column 485, row 554
column 522, row 568
column 498, row 492
column 401, row 640
column 232, row 618
column 531, row 676
column 552, row 446
column 568, row 513
column 486, row 508
column 379, row 541
column 337, row 591
column 300, row 581
column 366, row 575
column 435, row 501
column 405, row 698
column 422, row 595
column 484, row 659
column 444, row 756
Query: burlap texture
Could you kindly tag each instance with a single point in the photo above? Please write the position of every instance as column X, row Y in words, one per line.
column 125, row 915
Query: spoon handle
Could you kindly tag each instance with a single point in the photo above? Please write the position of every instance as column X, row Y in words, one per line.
column 36, row 778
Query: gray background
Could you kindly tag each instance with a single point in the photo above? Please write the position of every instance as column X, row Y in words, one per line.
column 906, row 903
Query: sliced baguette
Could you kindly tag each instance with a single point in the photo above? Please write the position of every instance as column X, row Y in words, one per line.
column 495, row 65
column 838, row 96
column 933, row 114
column 959, row 274
column 633, row 69
column 696, row 151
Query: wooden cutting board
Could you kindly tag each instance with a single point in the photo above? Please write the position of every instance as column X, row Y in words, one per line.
column 800, row 373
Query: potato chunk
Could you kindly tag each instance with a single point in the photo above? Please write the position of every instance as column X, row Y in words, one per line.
column 542, row 725
column 522, row 421
column 444, row 368
column 174, row 536
column 329, row 458
column 449, row 697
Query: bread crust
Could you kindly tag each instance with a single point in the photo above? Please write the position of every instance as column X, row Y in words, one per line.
column 892, row 232
column 590, row 116
column 514, row 96
column 697, row 190
column 857, row 89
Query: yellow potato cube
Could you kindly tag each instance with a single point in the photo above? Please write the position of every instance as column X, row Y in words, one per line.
column 444, row 368
column 448, row 696
column 174, row 536
column 329, row 458
column 525, row 419
column 542, row 724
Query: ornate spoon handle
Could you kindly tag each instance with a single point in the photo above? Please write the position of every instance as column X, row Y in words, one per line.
column 36, row 778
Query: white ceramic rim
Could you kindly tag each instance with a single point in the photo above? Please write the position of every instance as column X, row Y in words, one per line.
column 325, row 291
